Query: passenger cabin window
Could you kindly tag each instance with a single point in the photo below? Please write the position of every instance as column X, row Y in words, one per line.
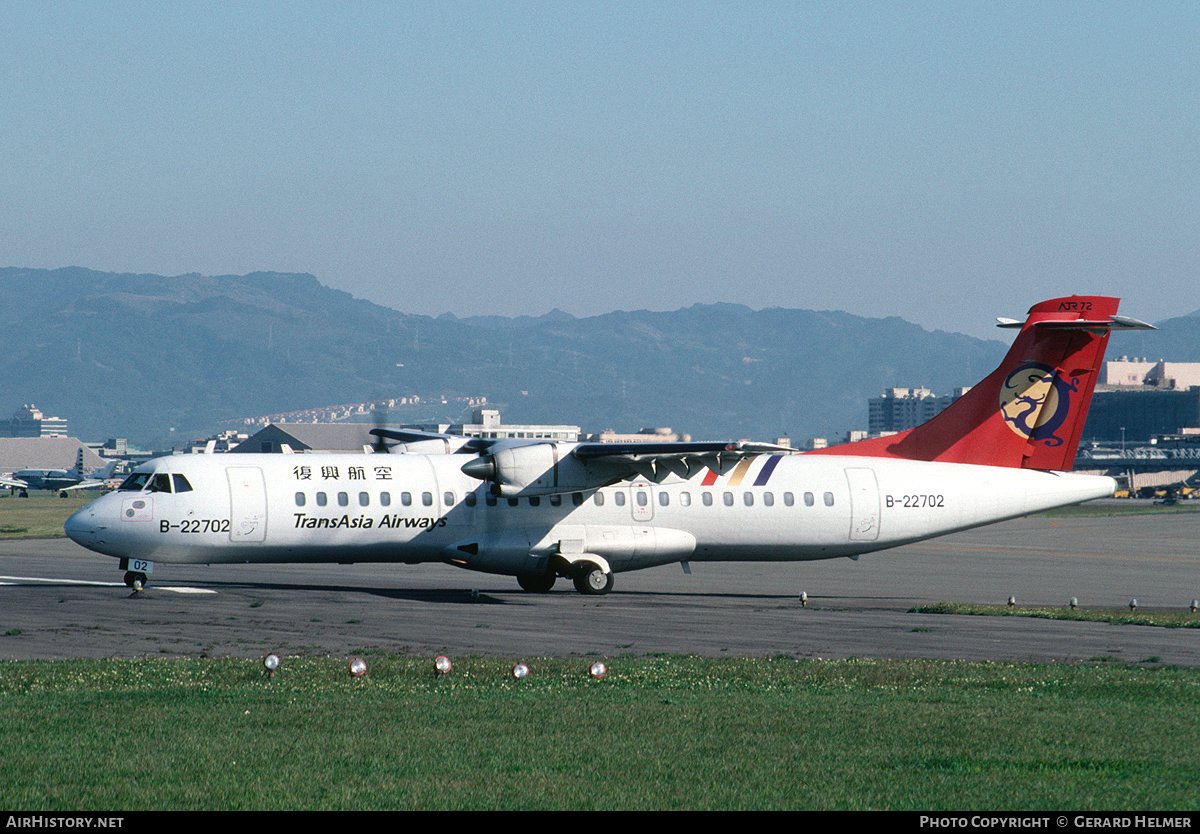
column 299, row 499
column 808, row 499
column 322, row 499
column 829, row 499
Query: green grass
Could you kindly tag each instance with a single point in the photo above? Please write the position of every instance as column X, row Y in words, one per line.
column 41, row 515
column 1130, row 507
column 657, row 732
column 1117, row 616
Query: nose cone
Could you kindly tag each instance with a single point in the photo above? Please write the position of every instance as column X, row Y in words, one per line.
column 82, row 528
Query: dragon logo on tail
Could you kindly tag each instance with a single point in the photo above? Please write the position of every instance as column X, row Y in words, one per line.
column 1035, row 401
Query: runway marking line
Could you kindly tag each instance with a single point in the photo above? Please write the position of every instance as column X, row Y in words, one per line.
column 18, row 580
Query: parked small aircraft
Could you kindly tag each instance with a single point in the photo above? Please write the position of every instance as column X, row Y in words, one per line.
column 62, row 480
column 538, row 510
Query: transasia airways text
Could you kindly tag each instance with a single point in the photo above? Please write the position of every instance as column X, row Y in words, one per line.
column 312, row 522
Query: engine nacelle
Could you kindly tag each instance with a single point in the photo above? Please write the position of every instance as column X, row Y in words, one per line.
column 433, row 446
column 541, row 469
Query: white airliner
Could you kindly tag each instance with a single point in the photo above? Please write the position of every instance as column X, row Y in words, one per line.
column 537, row 510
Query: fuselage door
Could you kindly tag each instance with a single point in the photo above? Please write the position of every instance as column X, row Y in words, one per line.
column 864, row 504
column 642, row 501
column 247, row 504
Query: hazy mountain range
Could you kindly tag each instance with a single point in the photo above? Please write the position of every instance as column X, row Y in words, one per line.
column 133, row 356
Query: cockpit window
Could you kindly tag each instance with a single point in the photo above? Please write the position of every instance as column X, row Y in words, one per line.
column 135, row 482
column 155, row 482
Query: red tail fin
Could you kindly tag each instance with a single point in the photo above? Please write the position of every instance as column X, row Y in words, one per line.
column 1030, row 411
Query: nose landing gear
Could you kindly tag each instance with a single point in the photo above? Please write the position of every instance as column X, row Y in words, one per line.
column 136, row 580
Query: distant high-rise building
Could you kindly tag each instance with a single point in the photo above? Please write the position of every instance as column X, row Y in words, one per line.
column 900, row 409
column 28, row 421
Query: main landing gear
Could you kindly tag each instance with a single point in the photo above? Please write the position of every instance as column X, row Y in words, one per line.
column 589, row 579
column 537, row 583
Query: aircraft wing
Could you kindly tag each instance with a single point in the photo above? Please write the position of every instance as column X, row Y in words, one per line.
column 15, row 484
column 528, row 466
column 548, row 468
column 654, row 461
column 428, row 442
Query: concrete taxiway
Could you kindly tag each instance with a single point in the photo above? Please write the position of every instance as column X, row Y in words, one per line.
column 58, row 600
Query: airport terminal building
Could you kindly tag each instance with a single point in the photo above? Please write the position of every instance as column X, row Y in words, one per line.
column 1137, row 400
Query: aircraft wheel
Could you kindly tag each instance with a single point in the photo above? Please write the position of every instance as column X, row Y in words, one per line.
column 62, row 494
column 536, row 583
column 592, row 580
column 135, row 580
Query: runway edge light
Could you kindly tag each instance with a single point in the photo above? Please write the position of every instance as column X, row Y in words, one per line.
column 358, row 667
column 271, row 664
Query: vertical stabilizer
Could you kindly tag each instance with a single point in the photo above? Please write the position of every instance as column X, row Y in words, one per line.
column 1030, row 411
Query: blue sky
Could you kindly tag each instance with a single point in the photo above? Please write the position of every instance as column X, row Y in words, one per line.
column 944, row 162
